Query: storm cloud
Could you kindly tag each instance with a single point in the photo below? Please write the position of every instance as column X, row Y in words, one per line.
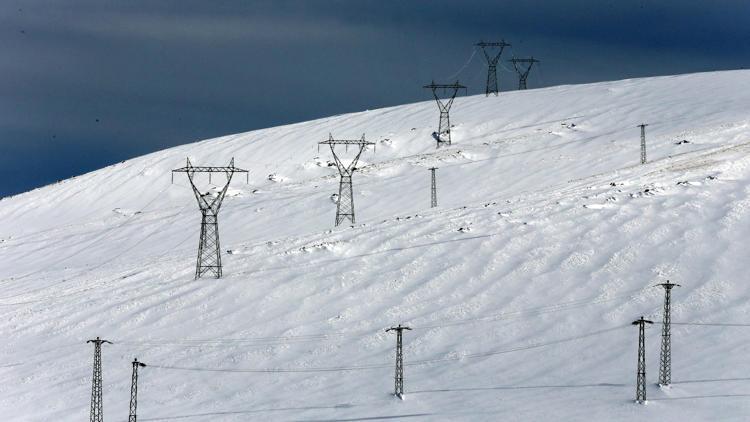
column 89, row 83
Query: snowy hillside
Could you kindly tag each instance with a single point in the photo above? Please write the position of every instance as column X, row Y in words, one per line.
column 520, row 287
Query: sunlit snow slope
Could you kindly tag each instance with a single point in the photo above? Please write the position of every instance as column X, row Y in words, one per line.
column 520, row 287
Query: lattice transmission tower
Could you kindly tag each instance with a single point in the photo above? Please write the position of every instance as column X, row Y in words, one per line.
column 134, row 390
column 444, row 102
column 97, row 406
column 643, row 142
column 492, row 52
column 433, row 188
column 665, row 358
column 640, row 382
column 209, row 250
column 399, row 378
column 345, row 200
column 523, row 67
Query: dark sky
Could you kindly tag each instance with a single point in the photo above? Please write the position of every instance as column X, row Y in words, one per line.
column 84, row 84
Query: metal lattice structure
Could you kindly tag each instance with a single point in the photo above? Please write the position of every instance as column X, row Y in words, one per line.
column 433, row 188
column 523, row 67
column 665, row 358
column 134, row 390
column 643, row 142
column 345, row 200
column 492, row 52
column 209, row 249
column 640, row 383
column 97, row 408
column 444, row 102
column 399, row 378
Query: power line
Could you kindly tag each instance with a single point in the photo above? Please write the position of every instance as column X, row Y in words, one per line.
column 364, row 367
column 307, row 338
column 473, row 53
column 711, row 324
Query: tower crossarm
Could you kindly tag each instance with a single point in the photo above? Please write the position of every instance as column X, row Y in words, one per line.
column 398, row 328
column 99, row 341
column 449, row 92
column 523, row 66
column 346, row 170
column 190, row 168
column 211, row 204
column 641, row 321
column 492, row 60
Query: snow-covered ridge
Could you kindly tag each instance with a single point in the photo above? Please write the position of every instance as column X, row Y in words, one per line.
column 520, row 286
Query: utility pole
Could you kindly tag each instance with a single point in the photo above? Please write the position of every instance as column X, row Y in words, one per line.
column 209, row 250
column 665, row 358
column 492, row 87
column 523, row 67
column 399, row 387
column 643, row 142
column 640, row 388
column 134, row 390
column 433, row 188
column 449, row 92
column 96, row 414
column 345, row 201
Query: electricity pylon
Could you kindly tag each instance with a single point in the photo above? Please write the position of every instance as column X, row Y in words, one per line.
column 399, row 378
column 523, row 67
column 497, row 48
column 449, row 91
column 643, row 142
column 640, row 387
column 97, row 413
column 134, row 390
column 665, row 358
column 209, row 252
column 345, row 201
column 433, row 188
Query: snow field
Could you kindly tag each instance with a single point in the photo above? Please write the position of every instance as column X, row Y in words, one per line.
column 520, row 286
